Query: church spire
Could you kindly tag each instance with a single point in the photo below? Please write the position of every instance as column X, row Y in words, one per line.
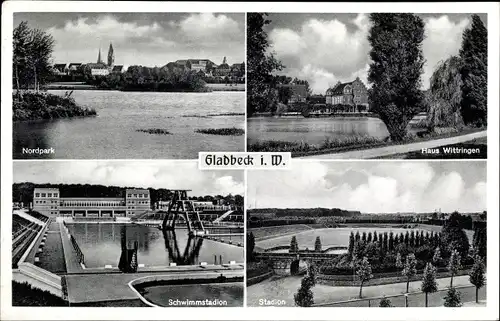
column 99, row 60
column 224, row 61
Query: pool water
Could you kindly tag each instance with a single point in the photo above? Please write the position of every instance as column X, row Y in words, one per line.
column 101, row 245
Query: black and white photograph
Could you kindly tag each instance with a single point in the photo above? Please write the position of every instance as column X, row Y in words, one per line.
column 367, row 234
column 127, row 85
column 368, row 85
column 126, row 234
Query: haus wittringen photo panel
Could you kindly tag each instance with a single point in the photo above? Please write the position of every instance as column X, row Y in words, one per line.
column 360, row 85
column 368, row 234
column 119, row 234
column 127, row 85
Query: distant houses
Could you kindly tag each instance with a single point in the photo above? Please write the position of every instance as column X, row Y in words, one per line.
column 210, row 71
column 205, row 68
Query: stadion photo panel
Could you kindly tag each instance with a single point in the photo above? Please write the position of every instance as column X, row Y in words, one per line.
column 358, row 174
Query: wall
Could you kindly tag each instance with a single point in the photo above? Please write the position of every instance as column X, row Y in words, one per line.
column 38, row 278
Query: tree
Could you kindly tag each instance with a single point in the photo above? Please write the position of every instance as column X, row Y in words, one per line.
column 397, row 63
column 317, row 245
column 250, row 246
column 304, row 296
column 444, row 97
column 260, row 63
column 364, row 273
column 410, row 269
column 454, row 237
column 476, row 275
column 480, row 241
column 375, row 236
column 391, row 241
column 369, row 238
column 429, row 284
column 385, row 303
column 351, row 243
column 474, row 72
column 294, row 246
column 32, row 51
column 399, row 262
column 452, row 298
column 436, row 259
column 454, row 264
column 363, row 237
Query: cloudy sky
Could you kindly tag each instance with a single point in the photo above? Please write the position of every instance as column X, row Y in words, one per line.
column 326, row 48
column 149, row 39
column 156, row 174
column 372, row 187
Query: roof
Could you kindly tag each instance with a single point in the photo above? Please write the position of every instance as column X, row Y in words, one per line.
column 75, row 64
column 60, row 66
column 117, row 67
column 193, row 61
column 298, row 90
column 98, row 65
column 223, row 66
column 339, row 88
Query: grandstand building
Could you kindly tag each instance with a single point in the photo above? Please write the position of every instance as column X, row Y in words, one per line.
column 48, row 201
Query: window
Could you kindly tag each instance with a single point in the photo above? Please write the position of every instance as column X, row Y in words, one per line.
column 55, row 195
column 37, row 194
column 43, row 194
column 49, row 194
column 129, row 195
column 135, row 195
column 140, row 195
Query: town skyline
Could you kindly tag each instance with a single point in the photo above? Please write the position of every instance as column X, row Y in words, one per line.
column 146, row 39
column 330, row 47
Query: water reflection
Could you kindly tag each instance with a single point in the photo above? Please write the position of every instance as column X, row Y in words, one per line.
column 191, row 250
column 102, row 245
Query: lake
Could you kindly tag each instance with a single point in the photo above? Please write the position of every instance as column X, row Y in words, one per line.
column 113, row 134
column 329, row 237
column 101, row 245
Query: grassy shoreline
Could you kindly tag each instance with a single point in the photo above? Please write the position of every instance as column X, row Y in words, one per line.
column 45, row 106
column 350, row 143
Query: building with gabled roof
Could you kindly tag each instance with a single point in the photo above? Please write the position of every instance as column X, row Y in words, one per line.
column 353, row 94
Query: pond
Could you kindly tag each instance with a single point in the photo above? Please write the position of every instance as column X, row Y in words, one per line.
column 112, row 134
column 312, row 130
column 101, row 245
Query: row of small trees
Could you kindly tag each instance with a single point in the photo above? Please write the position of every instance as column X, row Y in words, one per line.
column 305, row 297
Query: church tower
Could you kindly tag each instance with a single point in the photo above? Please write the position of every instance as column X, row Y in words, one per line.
column 99, row 60
column 111, row 56
column 224, row 61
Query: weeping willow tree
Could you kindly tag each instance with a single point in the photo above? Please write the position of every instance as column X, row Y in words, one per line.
column 445, row 95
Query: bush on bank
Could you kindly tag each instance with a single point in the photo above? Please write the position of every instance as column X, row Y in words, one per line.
column 24, row 294
column 39, row 105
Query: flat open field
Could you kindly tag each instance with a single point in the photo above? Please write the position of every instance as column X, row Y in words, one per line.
column 262, row 233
